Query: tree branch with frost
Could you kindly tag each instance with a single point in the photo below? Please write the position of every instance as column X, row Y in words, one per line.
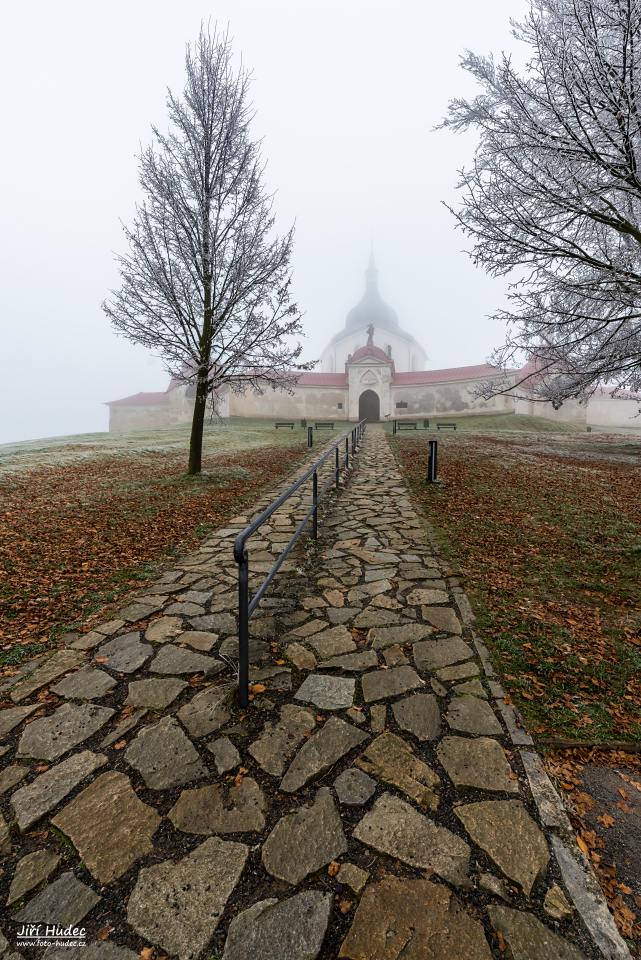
column 553, row 197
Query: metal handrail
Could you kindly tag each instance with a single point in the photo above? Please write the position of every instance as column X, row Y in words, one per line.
column 246, row 607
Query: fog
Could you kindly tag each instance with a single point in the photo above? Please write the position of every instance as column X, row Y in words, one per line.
column 347, row 95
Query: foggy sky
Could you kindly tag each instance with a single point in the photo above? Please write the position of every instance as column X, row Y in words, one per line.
column 347, row 93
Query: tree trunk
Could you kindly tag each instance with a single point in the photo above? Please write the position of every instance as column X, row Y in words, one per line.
column 197, row 426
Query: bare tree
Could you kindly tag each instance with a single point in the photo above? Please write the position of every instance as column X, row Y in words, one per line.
column 553, row 198
column 205, row 281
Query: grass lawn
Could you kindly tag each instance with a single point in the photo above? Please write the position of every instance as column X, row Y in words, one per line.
column 86, row 519
column 546, row 531
column 488, row 422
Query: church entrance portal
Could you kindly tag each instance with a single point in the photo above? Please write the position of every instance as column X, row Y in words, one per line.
column 369, row 406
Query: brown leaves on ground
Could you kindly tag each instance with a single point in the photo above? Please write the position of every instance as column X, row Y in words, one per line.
column 567, row 768
column 75, row 537
column 547, row 536
column 548, row 539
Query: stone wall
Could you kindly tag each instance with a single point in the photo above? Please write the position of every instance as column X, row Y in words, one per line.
column 453, row 399
column 303, row 402
column 570, row 412
column 614, row 412
column 177, row 408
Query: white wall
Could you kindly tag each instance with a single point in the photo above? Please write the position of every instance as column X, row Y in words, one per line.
column 571, row 411
column 453, row 397
column 406, row 355
column 614, row 412
column 370, row 375
column 302, row 402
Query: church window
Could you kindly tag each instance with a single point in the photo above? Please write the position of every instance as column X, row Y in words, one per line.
column 388, row 349
column 340, row 406
column 401, row 405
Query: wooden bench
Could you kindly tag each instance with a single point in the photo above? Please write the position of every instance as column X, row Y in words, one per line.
column 324, row 425
column 446, row 426
column 407, row 424
column 284, row 423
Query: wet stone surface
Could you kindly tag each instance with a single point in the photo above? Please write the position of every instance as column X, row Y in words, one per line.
column 334, row 740
column 164, row 756
column 327, row 692
column 221, row 808
column 507, row 833
column 399, row 830
column 385, row 684
column 402, row 919
column 34, row 800
column 178, row 905
column 367, row 804
column 30, row 872
column 303, row 842
column 354, row 788
column 469, row 715
column 389, row 758
column 289, row 929
column 419, row 714
column 67, row 901
column 480, row 763
column 109, row 826
column 49, row 737
column 124, row 654
column 87, row 684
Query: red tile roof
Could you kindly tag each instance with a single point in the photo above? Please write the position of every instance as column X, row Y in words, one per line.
column 477, row 372
column 370, row 351
column 140, row 400
column 322, row 380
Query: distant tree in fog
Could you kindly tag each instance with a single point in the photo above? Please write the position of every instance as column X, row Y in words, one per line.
column 553, row 197
column 205, row 281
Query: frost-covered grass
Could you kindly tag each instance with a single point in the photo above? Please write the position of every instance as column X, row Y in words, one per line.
column 223, row 436
column 488, row 422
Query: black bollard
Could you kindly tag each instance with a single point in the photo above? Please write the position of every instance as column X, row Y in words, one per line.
column 310, row 436
column 432, row 461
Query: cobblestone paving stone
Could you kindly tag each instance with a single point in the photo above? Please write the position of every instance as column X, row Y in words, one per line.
column 369, row 804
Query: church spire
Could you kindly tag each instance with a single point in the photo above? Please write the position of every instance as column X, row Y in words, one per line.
column 371, row 274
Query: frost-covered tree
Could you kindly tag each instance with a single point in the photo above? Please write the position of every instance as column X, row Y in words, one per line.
column 553, row 198
column 205, row 281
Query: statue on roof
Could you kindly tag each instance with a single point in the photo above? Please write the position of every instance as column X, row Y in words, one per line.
column 370, row 335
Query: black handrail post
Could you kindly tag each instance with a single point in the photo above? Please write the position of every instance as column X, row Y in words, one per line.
column 347, row 453
column 338, row 468
column 310, row 436
column 315, row 505
column 243, row 631
column 353, row 441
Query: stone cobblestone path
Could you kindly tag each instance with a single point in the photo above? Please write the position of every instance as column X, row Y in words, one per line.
column 374, row 803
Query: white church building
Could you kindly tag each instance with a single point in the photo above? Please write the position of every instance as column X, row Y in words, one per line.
column 372, row 369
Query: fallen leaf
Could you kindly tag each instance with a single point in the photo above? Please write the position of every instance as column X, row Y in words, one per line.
column 606, row 820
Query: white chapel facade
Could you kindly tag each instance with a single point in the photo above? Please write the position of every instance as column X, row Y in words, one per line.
column 371, row 369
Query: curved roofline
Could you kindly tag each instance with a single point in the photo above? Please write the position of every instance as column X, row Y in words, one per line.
column 397, row 332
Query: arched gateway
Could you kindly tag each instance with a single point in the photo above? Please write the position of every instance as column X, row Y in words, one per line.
column 369, row 406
